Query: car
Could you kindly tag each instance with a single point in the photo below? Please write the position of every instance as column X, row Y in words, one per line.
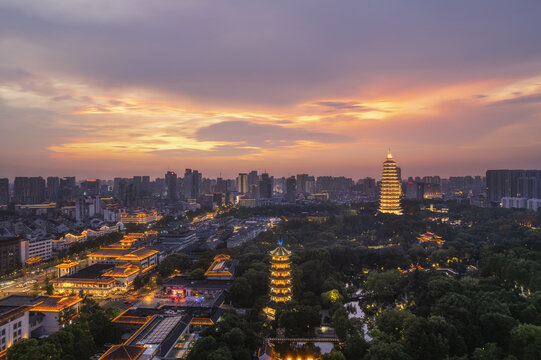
column 129, row 302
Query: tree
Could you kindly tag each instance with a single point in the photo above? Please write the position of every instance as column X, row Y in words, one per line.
column 198, row 274
column 334, row 355
column 31, row 349
column 526, row 341
column 300, row 321
column 490, row 351
column 386, row 351
column 241, row 292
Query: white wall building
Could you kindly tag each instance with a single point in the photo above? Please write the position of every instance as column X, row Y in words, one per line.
column 513, row 203
column 533, row 204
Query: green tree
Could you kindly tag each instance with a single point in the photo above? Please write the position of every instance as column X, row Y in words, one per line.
column 241, row 292
column 526, row 341
column 334, row 355
column 198, row 274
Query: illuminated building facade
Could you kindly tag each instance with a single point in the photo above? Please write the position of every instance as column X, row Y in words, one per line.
column 139, row 217
column 280, row 277
column 391, row 189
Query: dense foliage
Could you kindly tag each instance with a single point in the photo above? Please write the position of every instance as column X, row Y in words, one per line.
column 478, row 296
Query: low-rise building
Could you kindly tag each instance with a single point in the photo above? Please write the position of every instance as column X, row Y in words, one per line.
column 514, row 203
column 533, row 204
column 23, row 316
column 86, row 281
column 36, row 248
column 139, row 217
column 223, row 268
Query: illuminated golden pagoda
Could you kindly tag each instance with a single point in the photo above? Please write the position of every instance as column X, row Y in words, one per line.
column 391, row 189
column 280, row 276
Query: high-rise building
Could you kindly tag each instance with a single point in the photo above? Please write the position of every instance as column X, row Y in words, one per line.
column 369, row 188
column 29, row 190
column 253, row 178
column 291, row 185
column 10, row 254
column 391, row 188
column 53, row 188
column 192, row 184
column 67, row 188
column 265, row 186
column 280, row 275
column 221, row 186
column 171, row 186
column 91, row 187
column 242, row 183
column 513, row 183
column 302, row 179
column 4, row 191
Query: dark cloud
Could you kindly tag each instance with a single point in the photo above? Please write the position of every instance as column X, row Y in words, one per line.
column 528, row 99
column 249, row 52
column 344, row 105
column 263, row 135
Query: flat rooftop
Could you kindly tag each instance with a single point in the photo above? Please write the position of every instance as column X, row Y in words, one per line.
column 90, row 272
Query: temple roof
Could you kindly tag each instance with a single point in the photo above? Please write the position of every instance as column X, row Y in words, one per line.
column 123, row 352
column 280, row 251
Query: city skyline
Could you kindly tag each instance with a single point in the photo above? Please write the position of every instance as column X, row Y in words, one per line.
column 313, row 87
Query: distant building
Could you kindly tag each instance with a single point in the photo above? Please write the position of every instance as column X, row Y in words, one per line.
column 91, row 187
column 29, row 190
column 192, row 184
column 391, row 189
column 171, row 186
column 242, row 183
column 10, row 254
column 513, row 183
column 265, row 186
column 291, row 185
column 513, row 202
column 533, row 204
column 53, row 188
column 4, row 191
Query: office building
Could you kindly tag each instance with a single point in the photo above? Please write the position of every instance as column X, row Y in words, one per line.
column 513, row 202
column 170, row 186
column 192, row 184
column 53, row 188
column 4, row 191
column 91, row 187
column 291, row 186
column 391, row 188
column 533, row 204
column 265, row 186
column 10, row 254
column 242, row 183
column 29, row 190
column 513, row 183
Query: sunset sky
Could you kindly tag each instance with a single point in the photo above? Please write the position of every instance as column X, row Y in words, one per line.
column 107, row 88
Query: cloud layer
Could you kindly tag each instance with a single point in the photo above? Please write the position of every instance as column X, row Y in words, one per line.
column 93, row 88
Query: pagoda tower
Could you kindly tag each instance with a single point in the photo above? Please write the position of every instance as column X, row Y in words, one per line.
column 391, row 189
column 280, row 275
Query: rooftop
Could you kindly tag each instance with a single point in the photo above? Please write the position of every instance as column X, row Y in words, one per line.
column 67, row 264
column 123, row 352
column 280, row 251
column 56, row 303
column 91, row 272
